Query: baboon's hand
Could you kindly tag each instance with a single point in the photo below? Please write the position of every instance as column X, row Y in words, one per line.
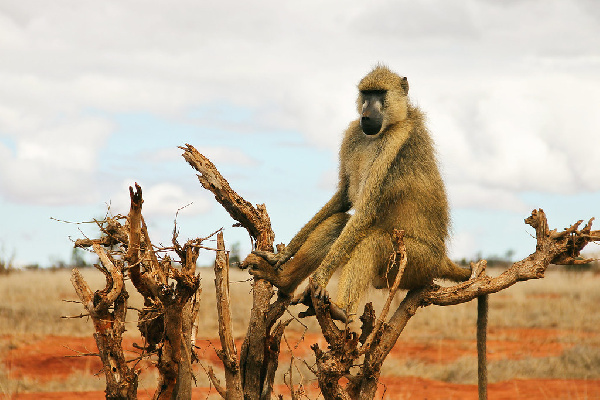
column 249, row 261
column 259, row 267
column 284, row 257
column 271, row 258
column 275, row 259
column 320, row 293
column 254, row 261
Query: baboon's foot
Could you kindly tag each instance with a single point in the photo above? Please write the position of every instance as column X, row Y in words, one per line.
column 319, row 292
column 261, row 268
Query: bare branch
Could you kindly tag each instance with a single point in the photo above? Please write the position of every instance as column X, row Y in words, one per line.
column 121, row 381
column 399, row 260
column 552, row 248
column 83, row 290
column 216, row 383
column 115, row 273
column 273, row 348
column 253, row 219
column 75, row 316
column 228, row 355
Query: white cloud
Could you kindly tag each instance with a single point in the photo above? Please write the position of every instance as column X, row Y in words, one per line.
column 463, row 244
column 519, row 134
column 472, row 195
column 53, row 165
column 511, row 88
column 166, row 199
column 435, row 18
column 163, row 199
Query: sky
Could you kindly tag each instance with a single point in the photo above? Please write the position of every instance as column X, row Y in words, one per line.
column 95, row 96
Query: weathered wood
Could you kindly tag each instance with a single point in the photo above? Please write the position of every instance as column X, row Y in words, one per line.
column 255, row 361
column 552, row 248
column 172, row 308
column 176, row 349
column 255, row 220
column 398, row 260
column 121, row 381
column 368, row 378
column 114, row 232
column 273, row 348
column 228, row 354
column 134, row 248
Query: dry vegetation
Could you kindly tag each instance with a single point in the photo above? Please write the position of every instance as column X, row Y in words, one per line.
column 563, row 303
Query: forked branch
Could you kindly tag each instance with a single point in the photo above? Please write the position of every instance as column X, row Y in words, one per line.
column 255, row 220
column 121, row 381
column 255, row 363
column 552, row 247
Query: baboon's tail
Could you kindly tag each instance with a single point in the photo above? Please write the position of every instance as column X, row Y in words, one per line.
column 453, row 272
column 456, row 273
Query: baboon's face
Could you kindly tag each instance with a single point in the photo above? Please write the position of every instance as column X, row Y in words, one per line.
column 371, row 117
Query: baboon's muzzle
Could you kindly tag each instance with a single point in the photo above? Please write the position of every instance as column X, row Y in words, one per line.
column 370, row 126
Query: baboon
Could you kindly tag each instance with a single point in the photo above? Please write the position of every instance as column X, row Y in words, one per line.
column 388, row 174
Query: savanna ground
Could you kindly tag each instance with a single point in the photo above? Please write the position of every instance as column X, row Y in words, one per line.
column 543, row 342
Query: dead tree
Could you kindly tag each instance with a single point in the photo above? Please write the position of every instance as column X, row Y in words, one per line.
column 171, row 297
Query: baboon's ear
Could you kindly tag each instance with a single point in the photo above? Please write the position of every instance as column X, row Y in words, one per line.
column 404, row 85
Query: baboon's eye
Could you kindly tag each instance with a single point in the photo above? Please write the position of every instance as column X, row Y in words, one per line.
column 373, row 96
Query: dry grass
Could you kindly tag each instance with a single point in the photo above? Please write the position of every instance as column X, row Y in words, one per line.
column 31, row 304
column 78, row 381
column 579, row 362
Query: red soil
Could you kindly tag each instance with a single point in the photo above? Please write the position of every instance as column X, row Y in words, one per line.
column 57, row 357
column 503, row 343
column 52, row 358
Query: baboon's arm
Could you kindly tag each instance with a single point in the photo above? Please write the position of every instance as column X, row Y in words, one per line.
column 366, row 208
column 338, row 203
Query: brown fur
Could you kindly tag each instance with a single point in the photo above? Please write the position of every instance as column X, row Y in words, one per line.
column 391, row 180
